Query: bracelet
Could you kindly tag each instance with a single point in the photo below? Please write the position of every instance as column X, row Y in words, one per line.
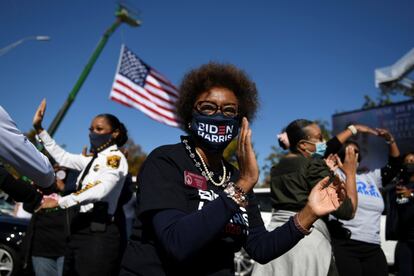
column 353, row 129
column 301, row 229
column 389, row 142
column 236, row 194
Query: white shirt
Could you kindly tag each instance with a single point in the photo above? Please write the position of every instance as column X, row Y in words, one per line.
column 17, row 151
column 365, row 226
column 103, row 182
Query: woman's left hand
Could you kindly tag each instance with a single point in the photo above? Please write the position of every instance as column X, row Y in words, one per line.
column 326, row 198
column 323, row 199
column 384, row 133
column 246, row 158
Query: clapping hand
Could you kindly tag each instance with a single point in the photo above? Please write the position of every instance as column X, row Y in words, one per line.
column 246, row 158
column 326, row 197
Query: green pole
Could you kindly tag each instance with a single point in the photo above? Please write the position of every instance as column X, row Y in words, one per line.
column 62, row 112
column 122, row 16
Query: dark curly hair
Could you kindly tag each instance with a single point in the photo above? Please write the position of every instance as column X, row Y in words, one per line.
column 211, row 75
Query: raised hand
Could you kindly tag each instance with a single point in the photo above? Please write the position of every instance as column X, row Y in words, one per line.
column 350, row 164
column 366, row 129
column 246, row 158
column 38, row 116
column 384, row 133
column 332, row 162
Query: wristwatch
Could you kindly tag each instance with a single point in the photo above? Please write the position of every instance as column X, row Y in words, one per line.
column 353, row 129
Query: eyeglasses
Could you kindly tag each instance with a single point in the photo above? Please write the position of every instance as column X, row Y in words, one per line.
column 209, row 108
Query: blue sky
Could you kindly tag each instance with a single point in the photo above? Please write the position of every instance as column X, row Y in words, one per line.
column 309, row 59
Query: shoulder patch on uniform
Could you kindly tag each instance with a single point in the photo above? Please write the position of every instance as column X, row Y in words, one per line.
column 87, row 187
column 113, row 161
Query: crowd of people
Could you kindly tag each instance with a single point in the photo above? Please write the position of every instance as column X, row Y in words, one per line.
column 194, row 209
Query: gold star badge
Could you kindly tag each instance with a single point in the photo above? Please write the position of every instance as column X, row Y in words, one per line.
column 113, row 161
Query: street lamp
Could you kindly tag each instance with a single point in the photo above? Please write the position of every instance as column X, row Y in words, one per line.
column 18, row 42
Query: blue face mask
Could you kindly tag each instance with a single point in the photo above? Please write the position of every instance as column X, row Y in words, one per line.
column 99, row 140
column 320, row 149
column 214, row 132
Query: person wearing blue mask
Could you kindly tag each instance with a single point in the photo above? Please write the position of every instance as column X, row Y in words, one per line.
column 194, row 209
column 309, row 160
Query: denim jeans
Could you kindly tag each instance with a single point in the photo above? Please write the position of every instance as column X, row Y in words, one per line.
column 48, row 266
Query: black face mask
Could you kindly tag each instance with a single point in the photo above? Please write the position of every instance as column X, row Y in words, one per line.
column 99, row 140
column 214, row 132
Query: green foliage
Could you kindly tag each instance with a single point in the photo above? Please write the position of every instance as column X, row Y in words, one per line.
column 326, row 131
column 387, row 95
column 135, row 156
column 229, row 153
column 276, row 153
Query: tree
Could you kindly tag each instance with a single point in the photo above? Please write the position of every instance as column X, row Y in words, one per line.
column 276, row 153
column 387, row 95
column 229, row 153
column 382, row 100
column 135, row 156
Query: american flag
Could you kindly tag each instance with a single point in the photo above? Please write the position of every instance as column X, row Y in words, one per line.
column 139, row 86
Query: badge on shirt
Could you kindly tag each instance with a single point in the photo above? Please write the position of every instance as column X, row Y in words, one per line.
column 195, row 180
column 96, row 168
column 113, row 161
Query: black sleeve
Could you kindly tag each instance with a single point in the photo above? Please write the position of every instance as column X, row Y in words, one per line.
column 264, row 246
column 315, row 172
column 345, row 210
column 160, row 184
column 19, row 190
column 333, row 146
column 391, row 169
column 181, row 234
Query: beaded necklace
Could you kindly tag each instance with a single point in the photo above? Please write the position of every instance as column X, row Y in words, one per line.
column 203, row 166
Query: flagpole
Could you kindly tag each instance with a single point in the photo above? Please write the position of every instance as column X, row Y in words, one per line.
column 122, row 16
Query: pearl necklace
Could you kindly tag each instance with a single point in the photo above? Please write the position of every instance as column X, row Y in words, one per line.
column 200, row 166
column 223, row 178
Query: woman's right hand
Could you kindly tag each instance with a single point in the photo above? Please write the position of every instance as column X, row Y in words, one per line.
column 246, row 158
column 38, row 116
column 350, row 165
